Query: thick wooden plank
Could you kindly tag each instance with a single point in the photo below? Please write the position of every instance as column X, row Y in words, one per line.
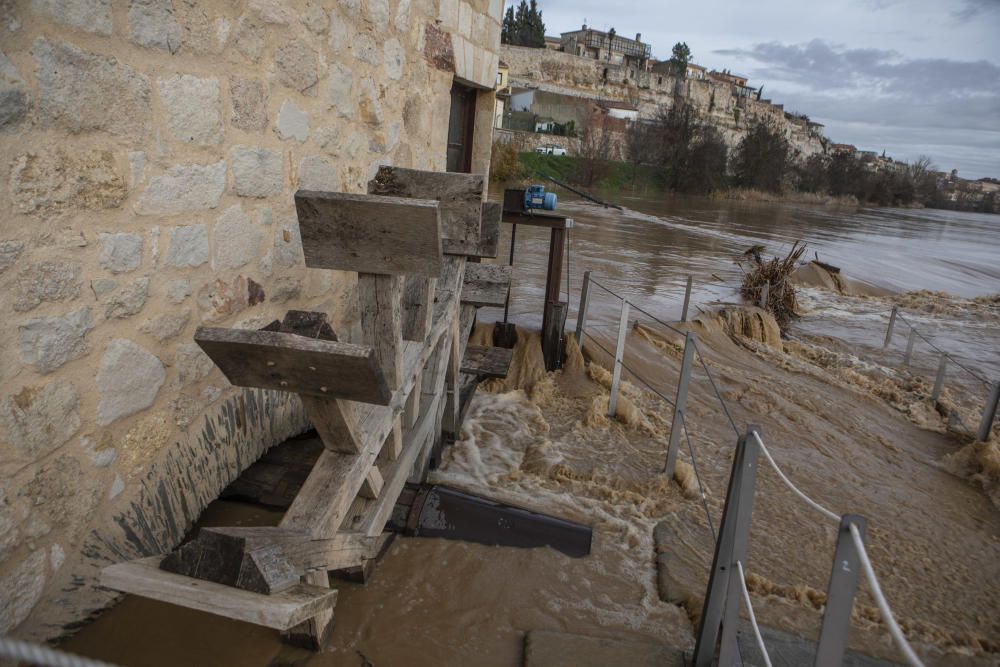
column 417, row 307
column 280, row 611
column 287, row 362
column 370, row 233
column 314, row 633
column 302, row 550
column 335, row 421
column 380, row 300
column 372, row 486
column 489, row 234
column 486, row 285
column 460, row 196
column 491, row 362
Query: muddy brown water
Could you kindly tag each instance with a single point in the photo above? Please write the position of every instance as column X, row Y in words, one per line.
column 848, row 426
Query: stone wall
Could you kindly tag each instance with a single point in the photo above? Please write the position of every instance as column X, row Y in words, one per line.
column 149, row 152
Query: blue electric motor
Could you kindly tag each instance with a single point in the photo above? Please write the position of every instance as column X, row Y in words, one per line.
column 536, row 197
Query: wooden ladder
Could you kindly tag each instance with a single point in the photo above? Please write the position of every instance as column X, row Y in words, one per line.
column 378, row 407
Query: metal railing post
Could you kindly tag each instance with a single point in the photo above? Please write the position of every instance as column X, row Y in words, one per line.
column 765, row 295
column 840, row 594
column 619, row 357
column 939, row 380
column 581, row 313
column 687, row 300
column 909, row 346
column 892, row 325
column 679, row 402
column 989, row 412
column 722, row 599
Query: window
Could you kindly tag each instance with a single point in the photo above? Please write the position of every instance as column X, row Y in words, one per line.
column 460, row 128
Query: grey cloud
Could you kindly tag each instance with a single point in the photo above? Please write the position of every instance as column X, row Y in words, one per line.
column 971, row 9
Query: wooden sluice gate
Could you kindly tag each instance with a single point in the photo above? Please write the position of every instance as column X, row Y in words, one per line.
column 379, row 407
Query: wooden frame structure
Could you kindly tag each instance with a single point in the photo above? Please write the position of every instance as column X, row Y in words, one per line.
column 378, row 406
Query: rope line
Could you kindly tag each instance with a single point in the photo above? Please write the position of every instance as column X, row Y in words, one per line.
column 947, row 355
column 657, row 320
column 697, row 476
column 753, row 617
column 883, row 604
column 638, row 377
column 715, row 388
column 809, row 501
column 23, row 651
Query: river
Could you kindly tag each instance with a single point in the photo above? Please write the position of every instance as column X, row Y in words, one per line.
column 846, row 422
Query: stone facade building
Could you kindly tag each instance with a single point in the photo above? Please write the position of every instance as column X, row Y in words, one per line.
column 150, row 150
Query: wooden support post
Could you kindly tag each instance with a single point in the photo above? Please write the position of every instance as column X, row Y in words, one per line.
column 939, row 380
column 313, row 633
column 372, row 486
column 380, row 299
column 453, row 404
column 909, row 347
column 619, row 358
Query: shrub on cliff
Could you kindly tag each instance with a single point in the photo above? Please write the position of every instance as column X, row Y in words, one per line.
column 762, row 159
column 505, row 165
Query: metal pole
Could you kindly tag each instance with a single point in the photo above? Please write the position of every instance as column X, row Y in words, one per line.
column 989, row 412
column 581, row 313
column 679, row 402
column 840, row 595
column 939, row 380
column 513, row 237
column 730, row 547
column 909, row 346
column 892, row 324
column 619, row 356
column 687, row 300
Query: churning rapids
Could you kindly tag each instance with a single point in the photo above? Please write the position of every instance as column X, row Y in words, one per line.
column 843, row 418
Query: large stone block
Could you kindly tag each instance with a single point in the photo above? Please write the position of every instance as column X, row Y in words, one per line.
column 293, row 122
column 87, row 15
column 46, row 281
column 57, row 179
column 288, row 244
column 165, row 326
column 237, row 239
column 317, row 173
column 185, row 187
column 369, row 104
column 120, row 253
column 339, row 82
column 9, row 252
column 248, row 98
column 257, row 172
column 194, row 108
column 41, row 419
column 126, row 301
column 153, row 24
column 188, row 246
column 22, row 589
column 128, row 380
column 49, row 342
column 365, row 49
column 395, row 58
column 314, row 18
column 14, row 99
column 76, row 88
column 298, row 66
column 192, row 363
column 378, row 13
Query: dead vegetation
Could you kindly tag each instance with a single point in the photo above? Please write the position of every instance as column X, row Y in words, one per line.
column 767, row 283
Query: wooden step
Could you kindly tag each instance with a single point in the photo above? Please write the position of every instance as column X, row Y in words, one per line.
column 492, row 362
column 486, row 285
column 288, row 362
column 460, row 197
column 370, row 233
column 281, row 611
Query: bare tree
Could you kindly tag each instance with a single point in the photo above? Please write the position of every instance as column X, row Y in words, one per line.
column 595, row 150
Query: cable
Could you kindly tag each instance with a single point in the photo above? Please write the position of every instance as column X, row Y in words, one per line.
column 614, row 294
column 938, row 349
column 715, row 388
column 658, row 320
column 34, row 654
column 812, row 503
column 697, row 476
column 883, row 604
column 753, row 618
column 634, row 374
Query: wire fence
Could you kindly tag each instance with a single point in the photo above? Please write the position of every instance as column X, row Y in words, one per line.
column 851, row 542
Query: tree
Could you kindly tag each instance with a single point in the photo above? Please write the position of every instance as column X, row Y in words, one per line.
column 523, row 26
column 761, row 159
column 680, row 56
column 639, row 148
column 595, row 151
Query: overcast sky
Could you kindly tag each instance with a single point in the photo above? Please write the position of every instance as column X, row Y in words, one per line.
column 913, row 77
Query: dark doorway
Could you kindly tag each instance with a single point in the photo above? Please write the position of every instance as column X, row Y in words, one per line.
column 460, row 126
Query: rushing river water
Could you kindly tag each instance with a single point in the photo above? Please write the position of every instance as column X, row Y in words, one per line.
column 844, row 420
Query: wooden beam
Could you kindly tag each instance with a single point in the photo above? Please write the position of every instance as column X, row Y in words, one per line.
column 372, row 486
column 380, row 300
column 302, row 550
column 280, row 611
column 335, row 421
column 484, row 361
column 489, row 235
column 417, row 307
column 288, row 362
column 369, row 233
column 460, row 197
column 486, row 285
column 314, row 633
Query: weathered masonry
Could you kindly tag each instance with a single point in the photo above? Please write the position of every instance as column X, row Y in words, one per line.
column 150, row 153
